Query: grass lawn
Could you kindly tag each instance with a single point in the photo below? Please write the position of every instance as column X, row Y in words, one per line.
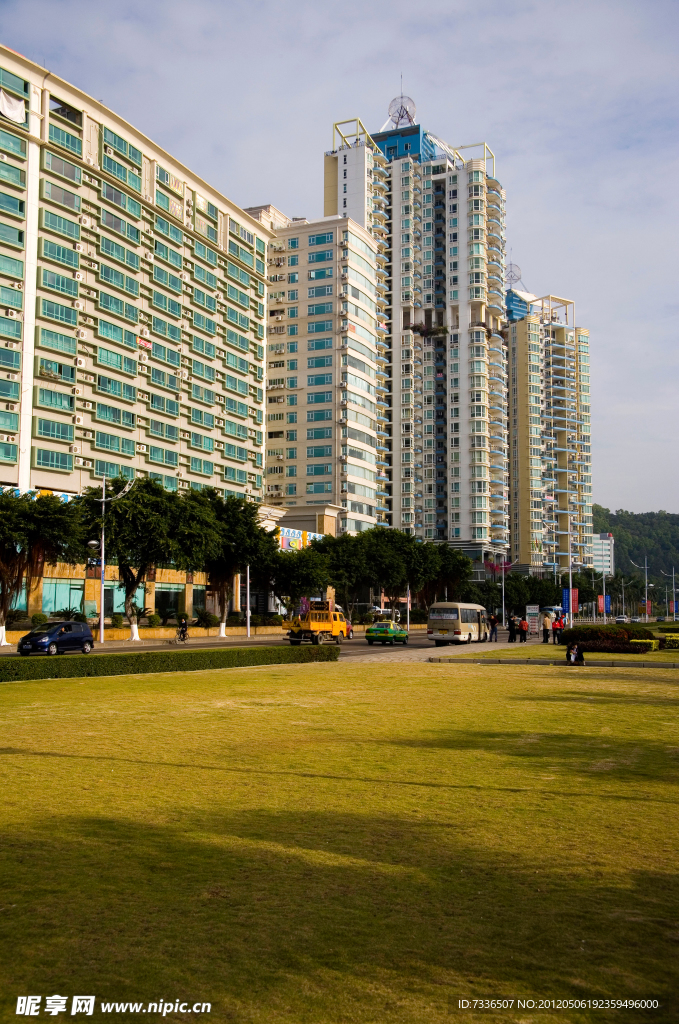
column 552, row 652
column 336, row 843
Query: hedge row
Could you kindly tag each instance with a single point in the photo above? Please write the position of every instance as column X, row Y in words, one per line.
column 78, row 666
column 616, row 634
column 609, row 648
column 645, row 645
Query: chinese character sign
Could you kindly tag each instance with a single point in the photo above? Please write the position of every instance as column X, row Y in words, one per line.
column 566, row 600
column 607, row 604
column 600, row 603
column 575, row 605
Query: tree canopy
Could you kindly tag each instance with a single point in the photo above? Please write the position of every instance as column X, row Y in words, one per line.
column 34, row 532
column 655, row 534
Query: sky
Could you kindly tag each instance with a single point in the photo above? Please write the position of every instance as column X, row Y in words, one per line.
column 578, row 100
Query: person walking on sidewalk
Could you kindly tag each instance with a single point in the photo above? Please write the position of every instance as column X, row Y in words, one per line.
column 512, row 629
column 557, row 629
column 523, row 631
column 493, row 623
column 546, row 627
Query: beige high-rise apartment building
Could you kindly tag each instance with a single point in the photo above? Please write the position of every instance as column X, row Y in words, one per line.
column 551, row 471
column 132, row 304
column 439, row 216
column 324, row 368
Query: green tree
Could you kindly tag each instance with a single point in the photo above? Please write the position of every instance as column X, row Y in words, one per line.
column 142, row 528
column 517, row 593
column 347, row 567
column 34, row 533
column 389, row 557
column 297, row 574
column 424, row 571
column 241, row 541
column 456, row 572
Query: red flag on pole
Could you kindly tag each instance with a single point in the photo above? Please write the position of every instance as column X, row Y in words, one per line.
column 600, row 603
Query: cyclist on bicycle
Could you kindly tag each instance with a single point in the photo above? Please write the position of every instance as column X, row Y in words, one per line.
column 183, row 630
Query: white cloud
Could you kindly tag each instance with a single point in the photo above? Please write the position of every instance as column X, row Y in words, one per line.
column 577, row 99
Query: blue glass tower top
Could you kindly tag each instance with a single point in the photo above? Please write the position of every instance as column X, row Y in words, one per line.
column 405, row 141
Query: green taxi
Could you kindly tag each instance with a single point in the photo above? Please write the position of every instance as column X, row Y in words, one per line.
column 386, row 633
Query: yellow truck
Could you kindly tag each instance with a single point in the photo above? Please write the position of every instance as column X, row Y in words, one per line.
column 318, row 625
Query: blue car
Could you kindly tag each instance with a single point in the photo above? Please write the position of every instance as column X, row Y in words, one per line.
column 57, row 638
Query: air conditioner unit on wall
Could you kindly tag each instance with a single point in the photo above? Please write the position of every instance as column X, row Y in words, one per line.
column 78, row 420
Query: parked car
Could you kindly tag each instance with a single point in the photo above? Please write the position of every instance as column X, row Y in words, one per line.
column 635, row 618
column 57, row 638
column 621, row 618
column 660, row 618
column 386, row 633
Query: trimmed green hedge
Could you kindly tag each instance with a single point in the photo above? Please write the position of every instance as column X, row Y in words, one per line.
column 78, row 666
column 645, row 645
column 616, row 634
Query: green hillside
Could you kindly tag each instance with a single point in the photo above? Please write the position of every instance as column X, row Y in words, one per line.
column 655, row 534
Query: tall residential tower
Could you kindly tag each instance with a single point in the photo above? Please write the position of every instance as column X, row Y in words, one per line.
column 438, row 218
column 551, row 471
column 323, row 369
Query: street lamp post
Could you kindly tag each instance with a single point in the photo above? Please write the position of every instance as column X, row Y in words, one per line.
column 102, row 550
column 247, row 600
column 504, row 571
column 674, row 595
column 645, row 568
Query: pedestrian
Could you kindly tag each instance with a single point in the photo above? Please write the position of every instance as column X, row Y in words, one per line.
column 557, row 626
column 523, row 631
column 183, row 630
column 546, row 627
column 493, row 623
column 512, row 629
column 575, row 655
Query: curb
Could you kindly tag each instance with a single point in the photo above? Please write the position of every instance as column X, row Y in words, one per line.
column 564, row 664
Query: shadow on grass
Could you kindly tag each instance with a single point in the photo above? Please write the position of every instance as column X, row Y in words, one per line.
column 605, row 756
column 600, row 698
column 318, row 918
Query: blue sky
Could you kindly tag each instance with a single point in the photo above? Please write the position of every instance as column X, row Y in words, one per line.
column 577, row 99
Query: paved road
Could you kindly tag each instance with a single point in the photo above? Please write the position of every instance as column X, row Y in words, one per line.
column 418, row 649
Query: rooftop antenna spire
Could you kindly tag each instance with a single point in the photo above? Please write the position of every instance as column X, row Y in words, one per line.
column 402, row 111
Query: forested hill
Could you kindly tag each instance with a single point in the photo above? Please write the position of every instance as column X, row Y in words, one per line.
column 655, row 534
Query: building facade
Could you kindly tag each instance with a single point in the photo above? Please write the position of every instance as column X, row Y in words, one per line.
column 551, row 470
column 324, row 379
column 132, row 304
column 439, row 219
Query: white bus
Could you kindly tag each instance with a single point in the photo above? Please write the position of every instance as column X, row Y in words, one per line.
column 454, row 622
